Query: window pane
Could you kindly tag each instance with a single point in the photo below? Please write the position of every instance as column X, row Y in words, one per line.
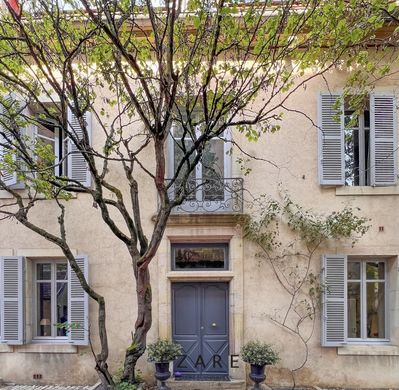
column 353, row 270
column 43, row 271
column 375, row 310
column 354, row 324
column 44, row 309
column 62, row 307
column 375, row 270
column 46, row 131
column 199, row 257
column 179, row 153
column 351, row 148
column 62, row 272
column 213, row 170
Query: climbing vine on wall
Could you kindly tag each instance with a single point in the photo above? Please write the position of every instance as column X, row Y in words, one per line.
column 290, row 239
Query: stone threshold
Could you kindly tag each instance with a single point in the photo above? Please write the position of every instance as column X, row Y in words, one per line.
column 207, row 385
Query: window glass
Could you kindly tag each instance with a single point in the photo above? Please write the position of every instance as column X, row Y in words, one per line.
column 354, row 270
column 51, row 299
column 375, row 310
column 366, row 306
column 354, row 310
column 375, row 270
column 61, row 271
column 44, row 309
column 357, row 145
column 43, row 271
column 62, row 307
column 213, row 170
column 212, row 256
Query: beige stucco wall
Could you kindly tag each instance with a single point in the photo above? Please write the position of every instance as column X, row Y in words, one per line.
column 254, row 293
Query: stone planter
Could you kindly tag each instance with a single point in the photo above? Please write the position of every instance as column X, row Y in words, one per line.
column 257, row 375
column 162, row 373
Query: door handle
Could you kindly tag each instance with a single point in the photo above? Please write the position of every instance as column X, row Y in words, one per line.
column 214, row 325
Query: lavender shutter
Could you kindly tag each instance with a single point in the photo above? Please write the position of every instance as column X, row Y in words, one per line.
column 334, row 302
column 383, row 128
column 331, row 140
column 77, row 165
column 12, row 300
column 78, row 305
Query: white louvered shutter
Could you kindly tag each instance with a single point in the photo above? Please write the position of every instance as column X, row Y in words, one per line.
column 12, row 300
column 383, row 128
column 9, row 178
column 334, row 303
column 78, row 305
column 77, row 165
column 331, row 140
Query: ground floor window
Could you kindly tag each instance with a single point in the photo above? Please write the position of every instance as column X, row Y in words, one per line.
column 51, row 299
column 367, row 299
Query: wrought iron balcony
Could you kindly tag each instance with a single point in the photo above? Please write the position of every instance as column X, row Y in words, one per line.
column 210, row 195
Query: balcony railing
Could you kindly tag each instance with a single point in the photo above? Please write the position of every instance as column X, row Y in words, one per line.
column 210, row 195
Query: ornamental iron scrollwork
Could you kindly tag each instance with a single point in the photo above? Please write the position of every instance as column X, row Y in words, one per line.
column 209, row 195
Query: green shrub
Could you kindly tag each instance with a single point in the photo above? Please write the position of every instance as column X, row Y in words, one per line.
column 163, row 351
column 125, row 386
column 257, row 353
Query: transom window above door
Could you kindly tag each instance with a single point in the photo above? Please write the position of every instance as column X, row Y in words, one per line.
column 199, row 257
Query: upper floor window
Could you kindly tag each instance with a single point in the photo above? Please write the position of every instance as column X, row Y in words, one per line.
column 35, row 125
column 357, row 148
column 209, row 187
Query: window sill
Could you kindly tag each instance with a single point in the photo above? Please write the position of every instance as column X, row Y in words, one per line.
column 368, row 350
column 46, row 348
column 366, row 191
column 6, row 195
column 200, row 275
column 6, row 348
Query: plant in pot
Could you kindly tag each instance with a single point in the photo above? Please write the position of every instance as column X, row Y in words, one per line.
column 258, row 355
column 162, row 352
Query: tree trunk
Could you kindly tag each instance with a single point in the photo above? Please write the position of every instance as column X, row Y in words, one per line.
column 142, row 326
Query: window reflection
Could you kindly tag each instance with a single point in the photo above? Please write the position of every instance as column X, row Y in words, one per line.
column 200, row 257
column 366, row 300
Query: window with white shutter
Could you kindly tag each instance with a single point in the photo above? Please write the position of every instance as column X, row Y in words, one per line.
column 358, row 145
column 12, row 300
column 78, row 309
column 354, row 301
column 77, row 165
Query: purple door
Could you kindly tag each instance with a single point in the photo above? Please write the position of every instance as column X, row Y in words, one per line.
column 200, row 321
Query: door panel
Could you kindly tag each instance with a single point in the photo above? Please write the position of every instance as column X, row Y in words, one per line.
column 215, row 334
column 200, row 325
column 186, row 324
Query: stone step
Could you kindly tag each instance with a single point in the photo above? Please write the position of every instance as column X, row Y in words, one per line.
column 207, row 385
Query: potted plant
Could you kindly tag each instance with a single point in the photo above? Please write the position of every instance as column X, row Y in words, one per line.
column 258, row 355
column 162, row 352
